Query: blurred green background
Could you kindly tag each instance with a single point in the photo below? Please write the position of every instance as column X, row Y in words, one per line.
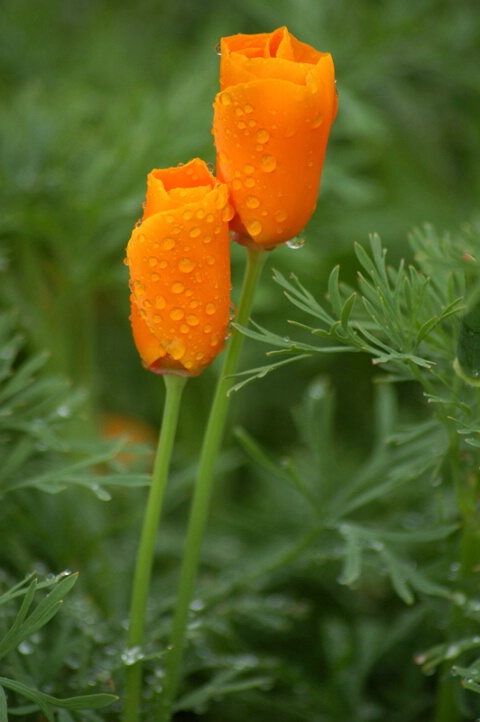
column 96, row 93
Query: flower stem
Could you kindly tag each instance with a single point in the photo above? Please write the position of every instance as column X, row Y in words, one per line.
column 143, row 567
column 204, row 485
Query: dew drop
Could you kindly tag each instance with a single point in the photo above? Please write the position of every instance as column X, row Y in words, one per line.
column 207, row 328
column 184, row 328
column 125, row 261
column 186, row 265
column 228, row 213
column 241, row 125
column 152, row 261
column 248, row 108
column 218, row 49
column 236, row 184
column 207, row 239
column 249, row 169
column 249, row 182
column 138, row 288
column 210, row 309
column 210, row 260
column 317, row 121
column 176, row 348
column 254, row 228
column 225, row 98
column 155, row 277
column 187, row 215
column 289, row 132
column 209, row 217
column 176, row 314
column 132, row 655
column 168, row 243
column 160, row 303
column 163, row 264
column 262, row 135
column 268, row 163
column 214, row 340
column 280, row 216
column 177, row 287
column 252, row 202
column 195, row 232
column 200, row 213
column 296, row 243
column 156, row 318
column 192, row 320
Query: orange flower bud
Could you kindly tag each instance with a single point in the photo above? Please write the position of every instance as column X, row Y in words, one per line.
column 272, row 119
column 179, row 262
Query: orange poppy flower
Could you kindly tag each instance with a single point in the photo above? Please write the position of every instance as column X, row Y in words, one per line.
column 271, row 124
column 179, row 262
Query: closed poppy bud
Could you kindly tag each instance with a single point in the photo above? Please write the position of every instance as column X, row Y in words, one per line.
column 179, row 262
column 271, row 124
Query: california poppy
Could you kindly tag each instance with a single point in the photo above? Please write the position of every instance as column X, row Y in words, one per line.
column 179, row 262
column 272, row 119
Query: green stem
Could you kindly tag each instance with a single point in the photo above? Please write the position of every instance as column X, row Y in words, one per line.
column 204, row 485
column 464, row 477
column 143, row 567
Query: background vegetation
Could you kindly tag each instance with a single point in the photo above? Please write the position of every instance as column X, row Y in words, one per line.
column 94, row 95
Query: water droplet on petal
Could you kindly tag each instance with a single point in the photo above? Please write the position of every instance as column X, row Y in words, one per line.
column 160, row 303
column 252, row 202
column 192, row 320
column 214, row 340
column 176, row 348
column 152, row 261
column 225, row 98
column 168, row 243
column 207, row 239
column 228, row 213
column 218, row 49
column 210, row 308
column 236, row 184
column 317, row 121
column 249, row 182
column 177, row 287
column 248, row 108
column 195, row 232
column 186, row 265
column 262, row 135
column 280, row 216
column 176, row 314
column 296, row 243
column 254, row 228
column 268, row 163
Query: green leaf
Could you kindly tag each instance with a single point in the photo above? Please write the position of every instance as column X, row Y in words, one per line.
column 3, row 706
column 47, row 703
